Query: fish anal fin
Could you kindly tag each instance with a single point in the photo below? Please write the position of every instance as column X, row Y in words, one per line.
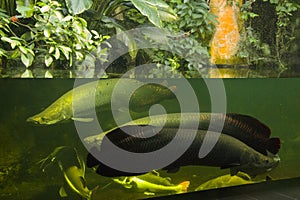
column 273, row 145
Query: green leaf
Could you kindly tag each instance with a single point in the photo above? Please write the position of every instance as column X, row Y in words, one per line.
column 27, row 59
column 67, row 18
column 148, row 10
column 45, row 8
column 77, row 26
column 23, row 49
column 166, row 16
column 128, row 41
column 25, row 8
column 78, row 6
column 57, row 54
column 48, row 74
column 27, row 74
column 66, row 50
column 51, row 49
column 47, row 32
column 79, row 56
column 48, row 60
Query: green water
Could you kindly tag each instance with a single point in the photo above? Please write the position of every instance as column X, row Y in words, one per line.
column 22, row 145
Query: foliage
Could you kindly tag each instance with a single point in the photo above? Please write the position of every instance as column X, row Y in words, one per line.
column 254, row 49
column 191, row 35
column 109, row 14
column 8, row 6
column 285, row 29
column 78, row 6
column 54, row 36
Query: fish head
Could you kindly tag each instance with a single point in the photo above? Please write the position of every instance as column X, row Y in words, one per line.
column 256, row 163
column 74, row 176
column 53, row 114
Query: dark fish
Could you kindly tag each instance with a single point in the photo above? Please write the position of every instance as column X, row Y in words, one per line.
column 245, row 128
column 228, row 152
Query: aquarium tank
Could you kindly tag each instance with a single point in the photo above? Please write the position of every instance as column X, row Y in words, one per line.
column 149, row 99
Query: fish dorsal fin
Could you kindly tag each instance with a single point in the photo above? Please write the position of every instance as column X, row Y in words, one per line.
column 248, row 124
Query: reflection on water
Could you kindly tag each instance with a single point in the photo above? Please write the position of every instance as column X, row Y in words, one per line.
column 273, row 101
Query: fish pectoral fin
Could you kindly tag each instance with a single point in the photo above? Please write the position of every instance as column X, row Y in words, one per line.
column 79, row 119
column 62, row 192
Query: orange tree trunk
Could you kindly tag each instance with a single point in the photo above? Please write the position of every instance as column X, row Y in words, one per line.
column 224, row 44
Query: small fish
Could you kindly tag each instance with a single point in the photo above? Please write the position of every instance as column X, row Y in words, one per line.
column 73, row 169
column 242, row 127
column 78, row 100
column 228, row 152
column 225, row 181
column 151, row 184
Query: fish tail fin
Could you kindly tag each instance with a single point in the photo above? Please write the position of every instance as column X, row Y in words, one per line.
column 273, row 145
column 184, row 186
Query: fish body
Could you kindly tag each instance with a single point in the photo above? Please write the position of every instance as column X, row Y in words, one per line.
column 78, row 100
column 151, row 184
column 226, row 181
column 242, row 127
column 228, row 152
column 73, row 169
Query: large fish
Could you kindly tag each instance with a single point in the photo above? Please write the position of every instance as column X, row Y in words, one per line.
column 73, row 169
column 243, row 127
column 78, row 100
column 228, row 152
column 151, row 183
